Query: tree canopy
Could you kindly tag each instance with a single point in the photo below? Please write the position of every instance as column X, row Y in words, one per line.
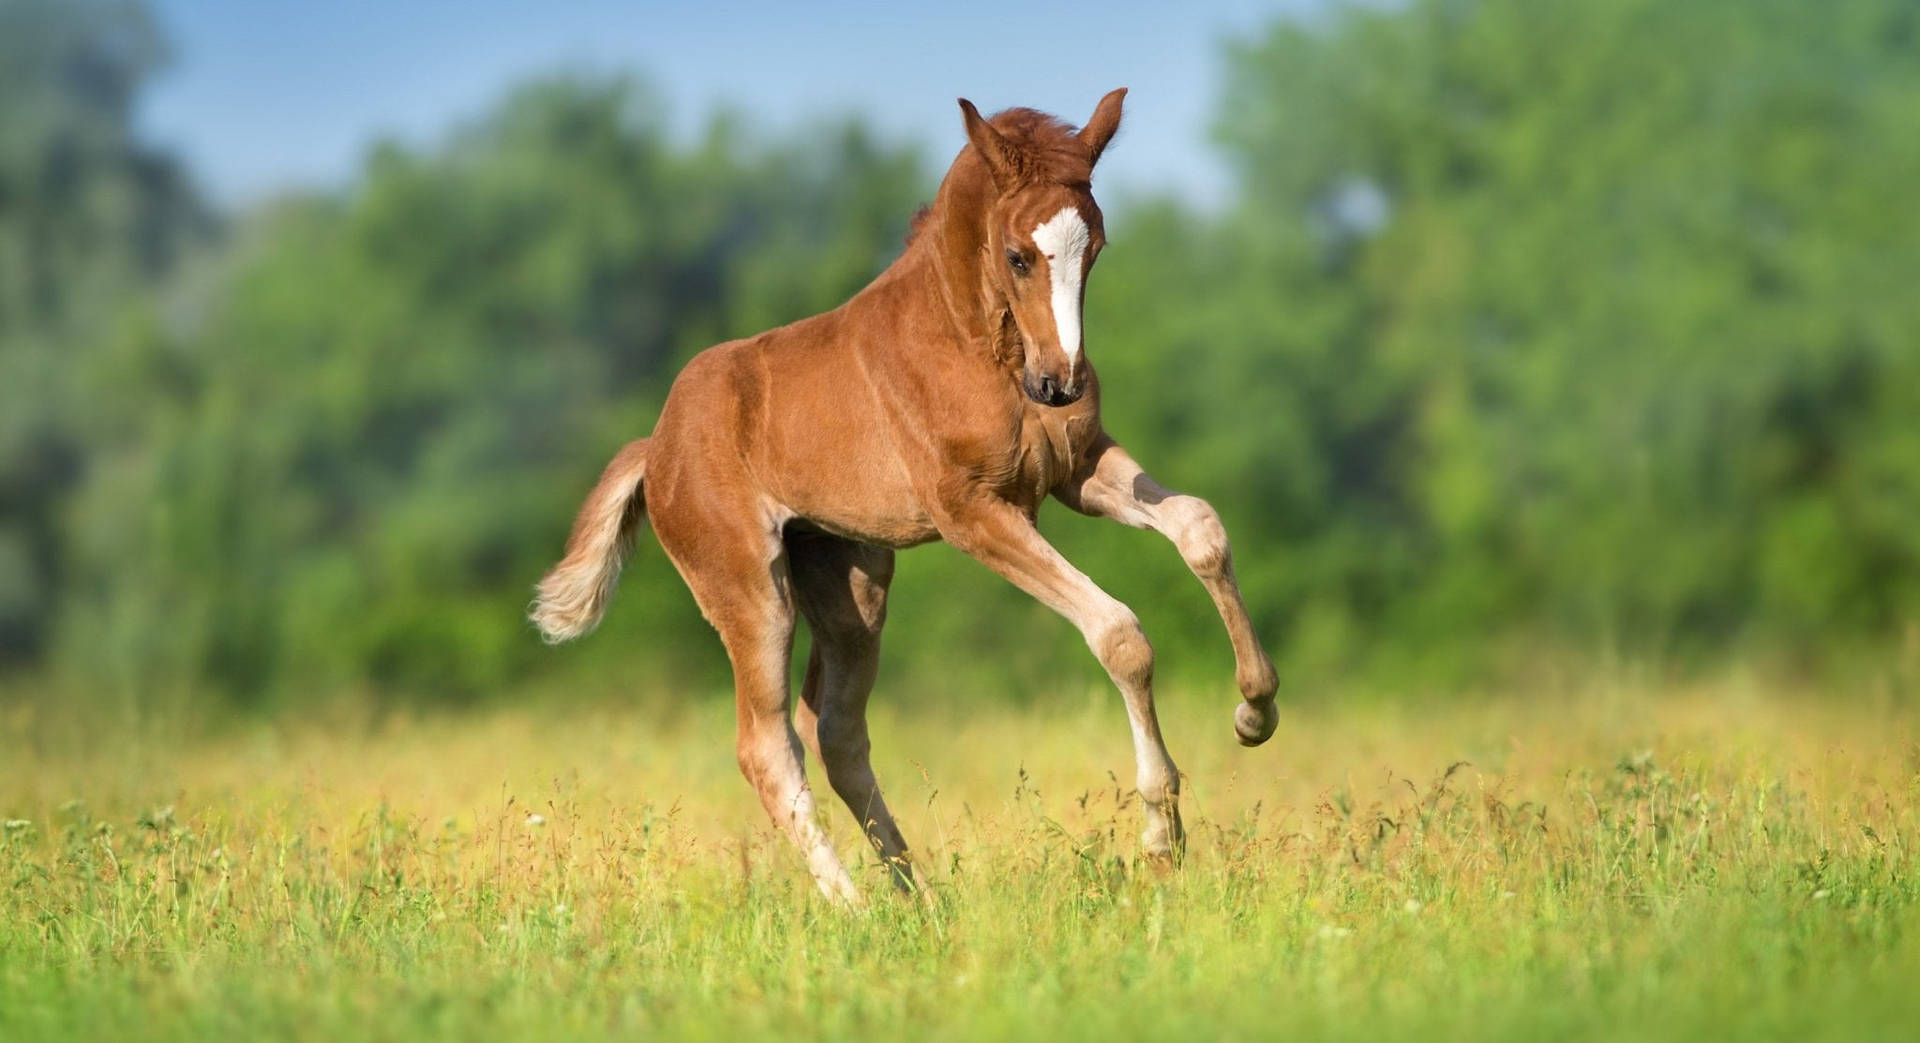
column 1578, row 327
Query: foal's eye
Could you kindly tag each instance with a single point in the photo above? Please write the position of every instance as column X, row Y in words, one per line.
column 1018, row 262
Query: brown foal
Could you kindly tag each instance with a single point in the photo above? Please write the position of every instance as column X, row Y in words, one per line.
column 946, row 400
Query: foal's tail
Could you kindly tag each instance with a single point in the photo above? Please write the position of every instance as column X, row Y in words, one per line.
column 572, row 598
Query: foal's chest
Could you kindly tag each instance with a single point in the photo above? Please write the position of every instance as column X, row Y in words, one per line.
column 1050, row 446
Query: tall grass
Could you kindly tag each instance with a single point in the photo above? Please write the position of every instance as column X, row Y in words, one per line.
column 1626, row 864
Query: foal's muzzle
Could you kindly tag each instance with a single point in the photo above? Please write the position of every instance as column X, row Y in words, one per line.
column 1048, row 391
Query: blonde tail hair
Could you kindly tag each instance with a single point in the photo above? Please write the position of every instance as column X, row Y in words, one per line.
column 570, row 599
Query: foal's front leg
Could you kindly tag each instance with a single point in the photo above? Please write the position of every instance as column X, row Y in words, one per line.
column 1111, row 485
column 1005, row 540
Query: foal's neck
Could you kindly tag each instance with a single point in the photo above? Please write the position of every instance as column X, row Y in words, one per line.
column 955, row 235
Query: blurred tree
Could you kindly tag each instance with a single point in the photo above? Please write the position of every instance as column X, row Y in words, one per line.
column 1606, row 320
column 1533, row 327
column 87, row 214
column 399, row 395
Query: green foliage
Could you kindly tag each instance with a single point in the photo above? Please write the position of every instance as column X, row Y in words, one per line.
column 396, row 397
column 86, row 215
column 1571, row 326
column 1631, row 355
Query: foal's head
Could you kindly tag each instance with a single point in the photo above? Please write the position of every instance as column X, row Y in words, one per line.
column 1043, row 232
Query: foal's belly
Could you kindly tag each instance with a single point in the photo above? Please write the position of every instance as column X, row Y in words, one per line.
column 852, row 494
column 896, row 533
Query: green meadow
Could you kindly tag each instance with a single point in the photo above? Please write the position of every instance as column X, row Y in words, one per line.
column 1626, row 863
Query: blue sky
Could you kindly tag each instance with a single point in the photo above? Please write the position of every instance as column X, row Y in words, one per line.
column 273, row 93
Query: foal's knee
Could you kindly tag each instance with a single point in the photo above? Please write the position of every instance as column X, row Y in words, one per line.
column 1203, row 539
column 1123, row 648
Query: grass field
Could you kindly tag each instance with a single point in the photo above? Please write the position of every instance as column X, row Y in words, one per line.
column 1627, row 864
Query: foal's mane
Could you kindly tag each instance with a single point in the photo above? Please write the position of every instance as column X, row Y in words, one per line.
column 1045, row 149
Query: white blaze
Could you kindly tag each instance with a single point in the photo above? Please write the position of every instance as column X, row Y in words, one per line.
column 1063, row 239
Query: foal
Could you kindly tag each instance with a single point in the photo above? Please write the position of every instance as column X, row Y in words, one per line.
column 946, row 400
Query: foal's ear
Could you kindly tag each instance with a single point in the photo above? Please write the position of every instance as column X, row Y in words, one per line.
column 993, row 146
column 1100, row 127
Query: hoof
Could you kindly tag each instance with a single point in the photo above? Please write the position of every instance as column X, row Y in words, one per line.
column 1164, row 843
column 1254, row 723
column 1162, row 863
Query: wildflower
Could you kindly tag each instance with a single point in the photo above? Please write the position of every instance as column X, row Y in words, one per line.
column 1412, row 905
column 535, row 821
column 560, row 910
column 1328, row 930
column 1822, row 893
column 15, row 825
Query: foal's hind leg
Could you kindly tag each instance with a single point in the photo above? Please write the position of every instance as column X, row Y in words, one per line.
column 841, row 587
column 740, row 578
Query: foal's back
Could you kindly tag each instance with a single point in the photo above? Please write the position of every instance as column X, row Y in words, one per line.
column 790, row 423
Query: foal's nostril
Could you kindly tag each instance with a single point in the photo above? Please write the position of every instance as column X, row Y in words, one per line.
column 1049, row 390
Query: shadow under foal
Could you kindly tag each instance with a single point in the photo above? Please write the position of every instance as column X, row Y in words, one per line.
column 946, row 400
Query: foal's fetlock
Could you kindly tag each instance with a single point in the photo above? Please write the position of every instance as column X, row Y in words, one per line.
column 1255, row 720
column 1258, row 680
column 900, row 870
column 842, row 893
column 1165, row 840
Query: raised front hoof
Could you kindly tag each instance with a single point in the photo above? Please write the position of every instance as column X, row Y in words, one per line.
column 1254, row 723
